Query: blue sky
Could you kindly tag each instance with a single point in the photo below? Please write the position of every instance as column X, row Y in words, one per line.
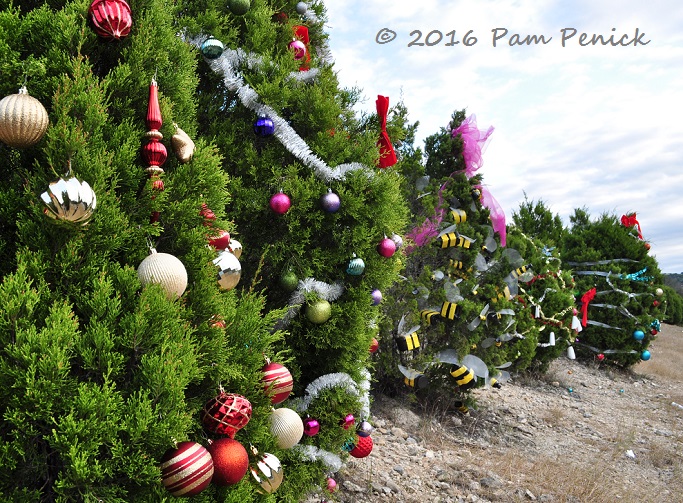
column 589, row 126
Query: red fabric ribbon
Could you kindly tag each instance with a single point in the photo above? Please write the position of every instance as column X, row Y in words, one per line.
column 630, row 221
column 387, row 156
column 301, row 32
column 585, row 299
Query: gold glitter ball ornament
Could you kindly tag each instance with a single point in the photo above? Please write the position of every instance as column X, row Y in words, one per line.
column 23, row 120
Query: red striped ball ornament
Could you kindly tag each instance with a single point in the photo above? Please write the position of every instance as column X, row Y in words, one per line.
column 277, row 381
column 187, row 470
column 111, row 18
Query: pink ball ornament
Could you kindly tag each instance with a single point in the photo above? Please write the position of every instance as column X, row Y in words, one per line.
column 331, row 484
column 601, row 357
column 311, row 427
column 280, row 203
column 348, row 421
column 386, row 247
column 299, row 49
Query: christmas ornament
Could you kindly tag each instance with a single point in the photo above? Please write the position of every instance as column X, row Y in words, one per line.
column 229, row 270
column 387, row 155
column 212, row 48
column 386, row 247
column 374, row 345
column 299, row 49
column 330, row 202
column 363, row 447
column 570, row 353
column 647, row 246
column 376, row 297
column 356, row 266
column 221, row 240
column 289, row 281
column 364, row 429
column 311, row 427
column 226, row 414
column 319, row 311
column 277, row 381
column 264, row 127
column 331, row 484
column 154, row 152
column 182, row 144
column 600, row 357
column 638, row 335
column 654, row 331
column 230, row 461
column 398, row 240
column 166, row 270
column 239, row 7
column 23, row 120
column 207, row 214
column 235, row 247
column 301, row 8
column 659, row 292
column 287, row 427
column 111, row 18
column 267, row 472
column 655, row 303
column 217, row 321
column 187, row 469
column 69, row 201
column 280, row 203
column 645, row 355
column 348, row 421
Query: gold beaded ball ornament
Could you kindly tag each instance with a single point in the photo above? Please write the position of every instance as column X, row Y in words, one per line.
column 23, row 120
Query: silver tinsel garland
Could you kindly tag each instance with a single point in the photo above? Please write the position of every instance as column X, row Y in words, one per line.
column 324, row 290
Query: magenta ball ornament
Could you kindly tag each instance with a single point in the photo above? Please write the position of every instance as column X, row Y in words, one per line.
column 348, row 421
column 311, row 427
column 280, row 203
column 330, row 202
column 386, row 247
column 299, row 49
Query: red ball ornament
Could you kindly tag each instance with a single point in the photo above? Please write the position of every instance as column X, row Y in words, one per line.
column 654, row 331
column 647, row 246
column 230, row 461
column 226, row 414
column 111, row 18
column 655, row 303
column 386, row 247
column 362, row 448
column 277, row 381
column 374, row 345
column 221, row 240
column 280, row 203
column 601, row 357
column 187, row 470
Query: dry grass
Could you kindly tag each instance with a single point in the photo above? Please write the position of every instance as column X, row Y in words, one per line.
column 667, row 354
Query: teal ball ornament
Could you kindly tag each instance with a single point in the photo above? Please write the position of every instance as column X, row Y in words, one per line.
column 645, row 355
column 639, row 335
column 355, row 267
column 212, row 48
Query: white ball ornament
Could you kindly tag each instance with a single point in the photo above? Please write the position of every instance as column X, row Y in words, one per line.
column 659, row 292
column 166, row 270
column 287, row 427
column 229, row 270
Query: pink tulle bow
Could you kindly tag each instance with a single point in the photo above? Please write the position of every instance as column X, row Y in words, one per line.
column 474, row 143
column 496, row 212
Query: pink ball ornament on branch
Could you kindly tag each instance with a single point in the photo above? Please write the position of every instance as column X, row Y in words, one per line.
column 280, row 203
column 386, row 247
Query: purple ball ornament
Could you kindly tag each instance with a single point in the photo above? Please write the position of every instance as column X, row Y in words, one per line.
column 311, row 427
column 299, row 49
column 330, row 202
column 386, row 247
column 398, row 240
column 376, row 297
column 264, row 127
column 280, row 203
column 364, row 429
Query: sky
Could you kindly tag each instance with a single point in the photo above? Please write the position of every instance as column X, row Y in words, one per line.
column 576, row 126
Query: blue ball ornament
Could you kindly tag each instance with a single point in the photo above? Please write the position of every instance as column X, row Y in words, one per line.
column 645, row 355
column 264, row 127
column 212, row 48
column 639, row 335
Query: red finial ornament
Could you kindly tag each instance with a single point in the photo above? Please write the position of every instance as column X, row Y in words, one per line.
column 387, row 155
column 154, row 152
column 111, row 18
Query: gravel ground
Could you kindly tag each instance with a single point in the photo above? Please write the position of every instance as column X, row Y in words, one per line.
column 582, row 433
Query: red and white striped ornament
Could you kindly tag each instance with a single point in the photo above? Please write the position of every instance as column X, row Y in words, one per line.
column 186, row 470
column 277, row 381
column 111, row 18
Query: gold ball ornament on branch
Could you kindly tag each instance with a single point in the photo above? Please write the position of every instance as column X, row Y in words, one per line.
column 23, row 120
column 287, row 427
column 69, row 201
column 165, row 270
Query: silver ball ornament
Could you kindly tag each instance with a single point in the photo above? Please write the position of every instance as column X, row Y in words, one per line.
column 229, row 270
column 301, row 8
column 235, row 247
column 267, row 472
column 69, row 201
column 166, row 270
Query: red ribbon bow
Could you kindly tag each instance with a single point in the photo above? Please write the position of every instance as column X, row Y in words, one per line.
column 630, row 221
column 585, row 299
column 301, row 33
column 387, row 156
